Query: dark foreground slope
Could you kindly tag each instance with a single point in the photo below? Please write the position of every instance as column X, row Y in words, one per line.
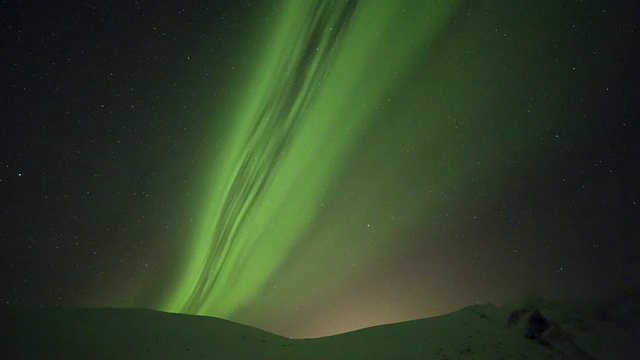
column 608, row 328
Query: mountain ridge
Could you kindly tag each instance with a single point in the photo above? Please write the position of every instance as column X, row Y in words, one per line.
column 606, row 327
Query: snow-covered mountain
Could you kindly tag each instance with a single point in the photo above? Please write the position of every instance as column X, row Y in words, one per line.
column 606, row 328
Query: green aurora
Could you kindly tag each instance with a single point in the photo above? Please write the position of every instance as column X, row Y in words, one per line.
column 326, row 68
column 328, row 74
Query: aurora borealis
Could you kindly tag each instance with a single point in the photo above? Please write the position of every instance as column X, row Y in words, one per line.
column 314, row 167
column 288, row 141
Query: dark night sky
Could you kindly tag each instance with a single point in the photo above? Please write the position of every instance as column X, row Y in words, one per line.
column 406, row 163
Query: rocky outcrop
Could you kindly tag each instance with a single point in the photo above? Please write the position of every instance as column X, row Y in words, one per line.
column 536, row 325
column 533, row 325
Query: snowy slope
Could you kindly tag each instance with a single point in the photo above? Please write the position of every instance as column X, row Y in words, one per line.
column 528, row 329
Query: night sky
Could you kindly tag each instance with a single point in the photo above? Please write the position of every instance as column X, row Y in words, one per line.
column 313, row 167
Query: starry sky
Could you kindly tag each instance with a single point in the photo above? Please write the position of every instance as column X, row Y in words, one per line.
column 315, row 167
